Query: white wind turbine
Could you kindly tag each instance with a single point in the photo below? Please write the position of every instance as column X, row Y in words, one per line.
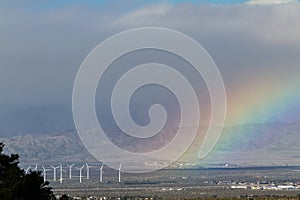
column 80, row 173
column 60, row 173
column 120, row 173
column 87, row 171
column 36, row 167
column 27, row 170
column 101, row 173
column 45, row 173
column 70, row 170
column 54, row 172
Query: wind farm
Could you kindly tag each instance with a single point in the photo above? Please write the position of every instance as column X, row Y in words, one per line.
column 66, row 172
column 224, row 178
column 222, row 181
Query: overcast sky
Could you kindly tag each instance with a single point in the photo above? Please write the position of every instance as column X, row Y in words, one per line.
column 43, row 44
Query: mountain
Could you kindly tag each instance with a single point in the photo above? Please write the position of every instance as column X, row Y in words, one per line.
column 250, row 144
column 259, row 144
column 53, row 148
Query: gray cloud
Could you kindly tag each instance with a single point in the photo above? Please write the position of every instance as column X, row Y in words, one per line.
column 41, row 50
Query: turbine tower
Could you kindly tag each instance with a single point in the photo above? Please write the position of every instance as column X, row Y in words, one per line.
column 27, row 170
column 44, row 173
column 87, row 171
column 36, row 167
column 54, row 172
column 120, row 173
column 60, row 173
column 80, row 173
column 101, row 173
column 70, row 170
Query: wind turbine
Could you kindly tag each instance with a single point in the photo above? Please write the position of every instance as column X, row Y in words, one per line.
column 80, row 173
column 120, row 173
column 60, row 173
column 70, row 170
column 101, row 173
column 36, row 167
column 44, row 173
column 54, row 172
column 87, row 171
column 27, row 170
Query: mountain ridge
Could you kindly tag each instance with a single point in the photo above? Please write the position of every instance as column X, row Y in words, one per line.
column 267, row 144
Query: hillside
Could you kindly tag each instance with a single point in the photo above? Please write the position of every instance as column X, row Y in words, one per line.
column 251, row 144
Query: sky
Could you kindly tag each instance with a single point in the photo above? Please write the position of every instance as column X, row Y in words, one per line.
column 254, row 43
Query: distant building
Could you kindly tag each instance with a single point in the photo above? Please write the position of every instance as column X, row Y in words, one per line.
column 240, row 187
column 286, row 187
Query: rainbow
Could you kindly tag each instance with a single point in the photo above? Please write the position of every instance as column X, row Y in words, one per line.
column 263, row 102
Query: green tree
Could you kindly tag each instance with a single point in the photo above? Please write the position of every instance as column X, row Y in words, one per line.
column 16, row 185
